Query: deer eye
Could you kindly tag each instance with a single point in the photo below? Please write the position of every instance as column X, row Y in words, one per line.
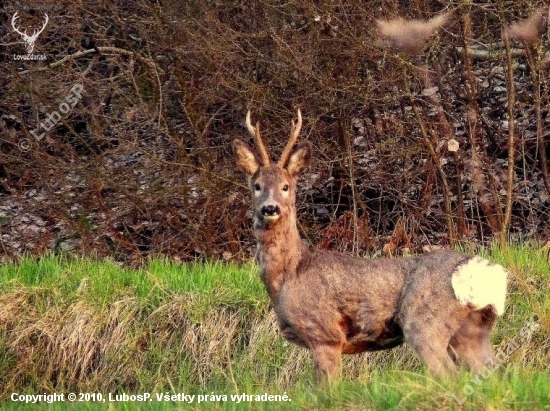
column 257, row 187
column 285, row 187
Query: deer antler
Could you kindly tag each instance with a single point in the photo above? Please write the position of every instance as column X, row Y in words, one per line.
column 36, row 33
column 24, row 34
column 294, row 132
column 255, row 132
column 13, row 22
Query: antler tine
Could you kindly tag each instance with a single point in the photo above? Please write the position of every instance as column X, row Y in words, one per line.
column 44, row 26
column 35, row 33
column 294, row 132
column 249, row 125
column 255, row 132
column 14, row 22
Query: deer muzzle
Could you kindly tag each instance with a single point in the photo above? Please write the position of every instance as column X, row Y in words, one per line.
column 270, row 212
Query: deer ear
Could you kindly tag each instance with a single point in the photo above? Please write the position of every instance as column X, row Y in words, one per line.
column 299, row 159
column 246, row 160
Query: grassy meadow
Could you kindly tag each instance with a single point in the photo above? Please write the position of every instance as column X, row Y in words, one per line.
column 205, row 330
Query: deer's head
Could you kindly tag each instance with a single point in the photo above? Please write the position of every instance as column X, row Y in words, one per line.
column 273, row 185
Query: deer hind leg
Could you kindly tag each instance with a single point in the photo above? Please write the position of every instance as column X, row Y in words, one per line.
column 327, row 359
column 472, row 341
column 428, row 330
column 431, row 342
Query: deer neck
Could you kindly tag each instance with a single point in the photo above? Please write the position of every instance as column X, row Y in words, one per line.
column 280, row 252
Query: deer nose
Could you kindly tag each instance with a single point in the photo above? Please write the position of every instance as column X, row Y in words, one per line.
column 270, row 210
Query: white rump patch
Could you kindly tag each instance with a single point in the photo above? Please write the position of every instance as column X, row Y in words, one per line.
column 480, row 283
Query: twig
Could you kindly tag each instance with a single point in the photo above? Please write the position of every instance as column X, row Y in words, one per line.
column 535, row 64
column 159, row 85
column 435, row 158
column 489, row 53
column 511, row 139
column 348, row 147
column 489, row 199
column 83, row 53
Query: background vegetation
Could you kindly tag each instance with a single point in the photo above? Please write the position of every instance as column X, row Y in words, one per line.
column 142, row 166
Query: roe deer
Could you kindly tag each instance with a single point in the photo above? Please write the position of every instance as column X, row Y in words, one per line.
column 442, row 303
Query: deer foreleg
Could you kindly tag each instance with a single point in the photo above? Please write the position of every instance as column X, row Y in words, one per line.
column 327, row 359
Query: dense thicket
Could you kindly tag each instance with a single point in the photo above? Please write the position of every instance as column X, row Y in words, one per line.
column 142, row 163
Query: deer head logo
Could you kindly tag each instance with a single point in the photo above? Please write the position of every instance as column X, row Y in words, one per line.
column 29, row 40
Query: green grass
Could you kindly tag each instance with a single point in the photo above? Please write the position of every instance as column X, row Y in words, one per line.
column 79, row 325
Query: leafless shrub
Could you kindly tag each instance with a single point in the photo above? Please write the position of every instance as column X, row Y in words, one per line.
column 140, row 166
